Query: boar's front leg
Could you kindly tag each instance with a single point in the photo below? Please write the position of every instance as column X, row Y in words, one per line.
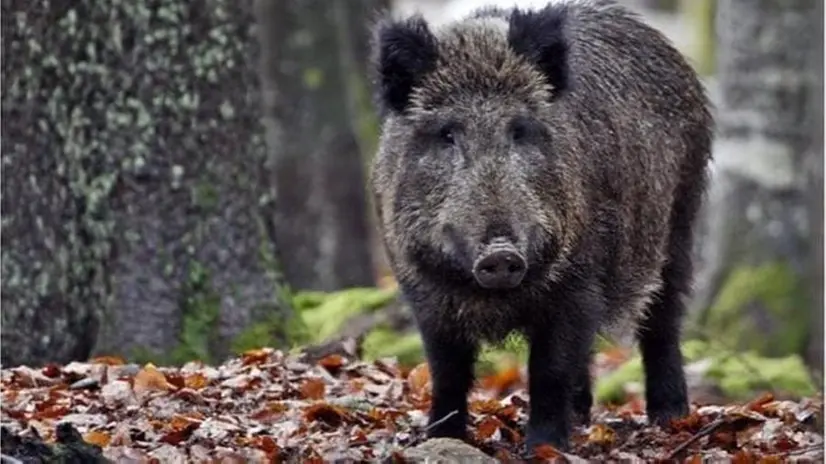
column 583, row 396
column 557, row 369
column 450, row 358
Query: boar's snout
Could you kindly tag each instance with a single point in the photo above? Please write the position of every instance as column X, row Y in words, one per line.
column 501, row 266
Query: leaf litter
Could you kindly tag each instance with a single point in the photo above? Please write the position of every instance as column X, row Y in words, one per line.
column 268, row 406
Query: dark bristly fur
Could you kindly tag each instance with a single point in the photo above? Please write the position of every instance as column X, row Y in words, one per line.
column 578, row 137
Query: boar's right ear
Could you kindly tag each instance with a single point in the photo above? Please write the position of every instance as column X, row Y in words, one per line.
column 539, row 36
column 402, row 53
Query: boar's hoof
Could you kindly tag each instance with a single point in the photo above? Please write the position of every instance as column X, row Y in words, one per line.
column 662, row 416
column 536, row 437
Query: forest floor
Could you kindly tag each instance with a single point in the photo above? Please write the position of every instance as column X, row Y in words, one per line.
column 267, row 406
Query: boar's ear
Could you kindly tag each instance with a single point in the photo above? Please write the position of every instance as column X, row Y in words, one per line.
column 539, row 37
column 402, row 53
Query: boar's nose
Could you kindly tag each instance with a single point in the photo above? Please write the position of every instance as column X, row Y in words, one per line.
column 500, row 268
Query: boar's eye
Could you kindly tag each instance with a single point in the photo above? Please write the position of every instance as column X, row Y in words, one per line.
column 518, row 132
column 521, row 129
column 447, row 133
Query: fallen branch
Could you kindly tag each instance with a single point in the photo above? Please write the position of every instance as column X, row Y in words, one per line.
column 442, row 420
column 705, row 431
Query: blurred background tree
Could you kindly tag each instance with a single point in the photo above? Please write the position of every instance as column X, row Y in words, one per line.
column 754, row 291
column 314, row 88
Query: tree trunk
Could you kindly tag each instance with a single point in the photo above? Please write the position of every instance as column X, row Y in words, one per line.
column 756, row 254
column 814, row 168
column 308, row 70
column 135, row 192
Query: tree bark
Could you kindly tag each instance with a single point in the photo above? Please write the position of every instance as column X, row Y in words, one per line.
column 135, row 193
column 308, row 68
column 757, row 246
column 814, row 168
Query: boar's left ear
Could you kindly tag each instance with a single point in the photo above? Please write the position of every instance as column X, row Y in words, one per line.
column 539, row 36
column 402, row 53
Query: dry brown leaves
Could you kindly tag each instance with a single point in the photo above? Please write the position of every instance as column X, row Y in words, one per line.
column 266, row 406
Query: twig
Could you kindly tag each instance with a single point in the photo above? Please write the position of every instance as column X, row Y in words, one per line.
column 442, row 420
column 803, row 450
column 707, row 430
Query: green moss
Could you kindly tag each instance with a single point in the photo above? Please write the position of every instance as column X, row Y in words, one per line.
column 494, row 357
column 205, row 195
column 611, row 388
column 317, row 316
column 770, row 292
column 383, row 342
column 324, row 316
column 201, row 308
column 308, row 299
column 269, row 330
column 313, row 78
column 738, row 375
column 142, row 355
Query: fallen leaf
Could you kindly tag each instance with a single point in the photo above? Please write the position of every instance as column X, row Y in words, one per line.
column 98, row 438
column 502, row 380
column 485, row 406
column 545, row 451
column 151, row 379
column 121, row 436
column 191, row 396
column 199, row 453
column 487, row 427
column 602, row 435
column 108, row 360
column 758, row 404
column 180, row 422
column 419, row 380
column 312, row 389
column 356, row 385
column 332, row 362
column 507, row 413
column 126, row 454
column 177, row 435
column 27, row 377
column 743, row 457
column 358, row 437
column 770, row 460
column 266, row 444
column 691, row 423
column 51, row 370
column 269, row 412
column 196, row 381
column 505, row 456
column 325, row 412
column 256, row 356
column 175, row 379
column 785, row 444
column 51, row 411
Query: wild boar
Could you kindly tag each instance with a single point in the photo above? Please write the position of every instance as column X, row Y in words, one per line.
column 540, row 171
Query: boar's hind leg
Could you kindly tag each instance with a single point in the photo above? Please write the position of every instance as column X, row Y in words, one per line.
column 450, row 358
column 659, row 334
